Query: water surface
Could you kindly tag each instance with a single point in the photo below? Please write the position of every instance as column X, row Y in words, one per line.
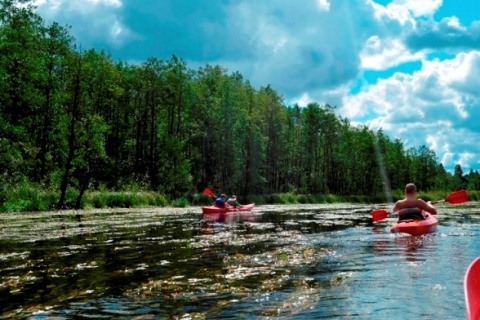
column 301, row 262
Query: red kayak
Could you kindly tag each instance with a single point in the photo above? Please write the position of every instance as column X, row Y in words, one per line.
column 471, row 288
column 213, row 209
column 416, row 227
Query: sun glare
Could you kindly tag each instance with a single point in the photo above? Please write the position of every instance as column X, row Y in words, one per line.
column 323, row 5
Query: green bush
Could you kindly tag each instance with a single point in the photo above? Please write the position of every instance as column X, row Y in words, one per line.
column 180, row 203
column 124, row 199
column 27, row 197
column 303, row 199
column 161, row 200
column 96, row 200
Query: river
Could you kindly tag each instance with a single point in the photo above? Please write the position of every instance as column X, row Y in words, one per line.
column 295, row 261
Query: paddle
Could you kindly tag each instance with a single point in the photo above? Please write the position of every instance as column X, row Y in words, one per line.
column 379, row 214
column 456, row 197
column 208, row 192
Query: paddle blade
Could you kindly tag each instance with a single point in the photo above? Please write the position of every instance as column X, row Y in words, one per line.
column 457, row 197
column 379, row 214
column 208, row 192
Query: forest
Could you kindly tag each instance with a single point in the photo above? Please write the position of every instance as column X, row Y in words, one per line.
column 74, row 120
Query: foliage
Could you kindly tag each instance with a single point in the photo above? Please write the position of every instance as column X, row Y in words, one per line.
column 124, row 199
column 73, row 122
column 180, row 203
column 27, row 196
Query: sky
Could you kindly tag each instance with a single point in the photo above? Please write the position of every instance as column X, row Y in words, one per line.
column 408, row 67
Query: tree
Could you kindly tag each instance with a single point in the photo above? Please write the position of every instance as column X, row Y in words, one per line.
column 55, row 47
column 473, row 180
column 75, row 119
column 273, row 131
column 459, row 181
column 19, row 104
column 170, row 171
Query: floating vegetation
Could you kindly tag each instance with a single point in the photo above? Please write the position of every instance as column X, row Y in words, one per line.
column 169, row 263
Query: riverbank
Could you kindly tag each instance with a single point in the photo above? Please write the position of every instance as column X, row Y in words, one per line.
column 33, row 199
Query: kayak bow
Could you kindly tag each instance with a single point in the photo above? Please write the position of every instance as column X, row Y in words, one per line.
column 416, row 227
column 471, row 288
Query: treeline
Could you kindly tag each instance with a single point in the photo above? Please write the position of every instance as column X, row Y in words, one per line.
column 73, row 120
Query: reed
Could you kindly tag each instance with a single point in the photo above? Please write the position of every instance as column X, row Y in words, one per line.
column 34, row 197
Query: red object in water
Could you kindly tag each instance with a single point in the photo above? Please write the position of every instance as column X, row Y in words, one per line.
column 471, row 287
column 213, row 209
column 416, row 227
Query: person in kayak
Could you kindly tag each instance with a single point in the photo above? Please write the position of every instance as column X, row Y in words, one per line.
column 232, row 201
column 411, row 207
column 220, row 201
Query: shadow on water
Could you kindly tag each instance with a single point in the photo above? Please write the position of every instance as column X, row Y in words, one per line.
column 320, row 261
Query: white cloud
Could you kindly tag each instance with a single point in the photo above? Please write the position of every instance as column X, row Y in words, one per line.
column 392, row 12
column 97, row 19
column 466, row 78
column 404, row 11
column 323, row 4
column 465, row 159
column 381, row 54
column 113, row 3
column 303, row 100
column 421, row 8
column 40, row 2
column 454, row 23
column 431, row 100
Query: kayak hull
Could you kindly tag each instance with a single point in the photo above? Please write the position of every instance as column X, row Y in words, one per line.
column 471, row 286
column 230, row 217
column 416, row 227
column 213, row 209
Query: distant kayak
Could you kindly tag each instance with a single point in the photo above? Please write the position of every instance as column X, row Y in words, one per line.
column 471, row 287
column 213, row 209
column 415, row 226
column 230, row 217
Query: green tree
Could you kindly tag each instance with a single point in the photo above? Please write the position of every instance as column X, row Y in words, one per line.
column 459, row 181
column 473, row 180
column 311, row 142
column 170, row 171
column 89, row 82
column 209, row 121
column 274, row 133
column 20, row 31
column 55, row 46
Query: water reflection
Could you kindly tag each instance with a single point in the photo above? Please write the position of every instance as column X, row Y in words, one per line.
column 230, row 217
column 293, row 261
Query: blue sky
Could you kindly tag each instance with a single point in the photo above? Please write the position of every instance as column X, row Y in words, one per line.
column 409, row 67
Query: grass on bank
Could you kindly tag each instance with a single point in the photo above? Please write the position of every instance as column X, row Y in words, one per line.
column 33, row 198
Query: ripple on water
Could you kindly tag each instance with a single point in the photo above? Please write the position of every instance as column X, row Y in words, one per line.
column 290, row 261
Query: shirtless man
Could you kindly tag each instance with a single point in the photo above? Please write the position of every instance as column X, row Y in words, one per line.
column 411, row 202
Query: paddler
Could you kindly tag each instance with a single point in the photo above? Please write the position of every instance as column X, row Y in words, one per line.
column 221, row 202
column 232, row 201
column 410, row 207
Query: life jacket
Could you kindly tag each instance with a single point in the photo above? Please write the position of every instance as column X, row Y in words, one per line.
column 219, row 202
column 410, row 213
